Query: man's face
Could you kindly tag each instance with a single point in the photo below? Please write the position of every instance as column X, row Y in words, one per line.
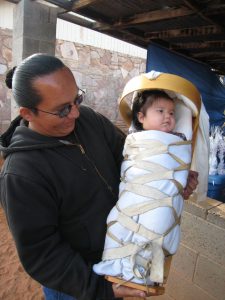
column 56, row 90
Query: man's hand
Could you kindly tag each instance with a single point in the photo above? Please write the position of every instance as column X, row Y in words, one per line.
column 192, row 182
column 124, row 291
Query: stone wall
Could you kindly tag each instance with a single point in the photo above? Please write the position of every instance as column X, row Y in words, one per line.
column 101, row 73
column 5, row 64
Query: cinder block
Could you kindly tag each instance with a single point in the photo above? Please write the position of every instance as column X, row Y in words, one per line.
column 30, row 46
column 204, row 237
column 37, row 18
column 200, row 209
column 47, row 47
column 48, row 32
column 181, row 289
column 184, row 261
column 210, row 277
column 45, row 31
column 216, row 215
column 38, row 24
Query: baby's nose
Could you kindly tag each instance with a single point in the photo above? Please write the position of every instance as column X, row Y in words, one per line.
column 167, row 115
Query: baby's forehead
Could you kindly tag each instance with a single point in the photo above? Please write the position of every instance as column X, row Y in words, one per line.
column 163, row 101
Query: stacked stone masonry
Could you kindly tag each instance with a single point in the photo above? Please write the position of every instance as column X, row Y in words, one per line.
column 101, row 73
column 5, row 64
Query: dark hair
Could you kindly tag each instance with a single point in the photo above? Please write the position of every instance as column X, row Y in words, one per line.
column 143, row 101
column 20, row 79
column 9, row 76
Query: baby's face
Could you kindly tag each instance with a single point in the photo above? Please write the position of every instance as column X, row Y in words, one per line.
column 159, row 116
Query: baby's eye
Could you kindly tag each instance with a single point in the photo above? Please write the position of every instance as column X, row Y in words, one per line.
column 160, row 110
column 172, row 113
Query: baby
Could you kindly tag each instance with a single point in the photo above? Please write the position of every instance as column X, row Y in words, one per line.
column 143, row 227
column 154, row 110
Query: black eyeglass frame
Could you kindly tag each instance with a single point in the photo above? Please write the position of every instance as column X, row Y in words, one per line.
column 63, row 112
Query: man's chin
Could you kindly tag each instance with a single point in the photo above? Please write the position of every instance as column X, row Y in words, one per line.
column 67, row 130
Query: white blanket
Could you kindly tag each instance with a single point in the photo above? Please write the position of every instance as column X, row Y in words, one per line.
column 145, row 222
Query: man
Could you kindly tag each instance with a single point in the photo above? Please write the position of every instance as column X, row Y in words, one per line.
column 59, row 181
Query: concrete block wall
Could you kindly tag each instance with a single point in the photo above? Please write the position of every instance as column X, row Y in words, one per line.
column 29, row 38
column 198, row 268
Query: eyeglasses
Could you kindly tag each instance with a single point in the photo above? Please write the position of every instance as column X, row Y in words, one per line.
column 63, row 112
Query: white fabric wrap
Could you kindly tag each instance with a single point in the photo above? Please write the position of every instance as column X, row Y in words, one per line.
column 146, row 218
column 200, row 159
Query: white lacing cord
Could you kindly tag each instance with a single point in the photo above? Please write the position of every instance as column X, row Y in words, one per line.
column 154, row 269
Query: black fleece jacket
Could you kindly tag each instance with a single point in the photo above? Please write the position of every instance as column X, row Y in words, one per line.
column 56, row 196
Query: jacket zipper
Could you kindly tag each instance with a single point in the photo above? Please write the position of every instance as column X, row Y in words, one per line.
column 96, row 169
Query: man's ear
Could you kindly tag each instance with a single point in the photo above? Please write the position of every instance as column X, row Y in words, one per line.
column 26, row 113
column 140, row 117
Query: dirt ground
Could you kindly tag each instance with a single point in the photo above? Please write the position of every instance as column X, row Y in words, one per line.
column 15, row 284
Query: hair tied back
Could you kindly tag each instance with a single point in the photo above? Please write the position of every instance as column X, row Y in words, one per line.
column 9, row 77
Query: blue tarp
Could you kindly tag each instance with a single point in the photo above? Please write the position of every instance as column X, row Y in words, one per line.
column 207, row 82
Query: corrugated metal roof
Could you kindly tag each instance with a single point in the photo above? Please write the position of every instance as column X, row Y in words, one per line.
column 193, row 28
